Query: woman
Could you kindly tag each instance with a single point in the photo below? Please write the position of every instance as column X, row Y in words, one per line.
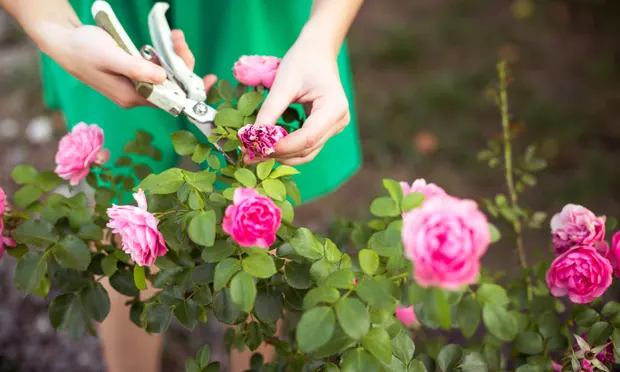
column 86, row 76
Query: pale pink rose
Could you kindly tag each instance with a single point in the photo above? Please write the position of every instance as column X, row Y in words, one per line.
column 582, row 273
column 445, row 238
column 5, row 241
column 252, row 219
column 138, row 230
column 557, row 367
column 255, row 70
column 407, row 316
column 260, row 140
column 428, row 189
column 78, row 150
column 576, row 225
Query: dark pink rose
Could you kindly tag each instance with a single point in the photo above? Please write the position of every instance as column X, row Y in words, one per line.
column 576, row 225
column 407, row 316
column 582, row 273
column 445, row 239
column 252, row 219
column 260, row 140
column 78, row 150
column 5, row 241
column 586, row 366
column 614, row 253
column 255, row 70
column 557, row 367
column 138, row 229
column 428, row 189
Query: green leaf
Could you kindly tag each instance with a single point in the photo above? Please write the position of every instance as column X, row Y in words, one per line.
column 323, row 294
column 253, row 336
column 263, row 169
column 203, row 296
column 495, row 234
column 90, row 232
column 353, row 317
column 249, row 102
column 243, row 291
column 48, row 181
column 220, row 250
column 202, row 181
column 203, row 356
column 412, row 201
column 185, row 312
column 386, row 243
column 610, row 309
column 469, row 315
column 369, row 261
column 157, row 318
column 71, row 252
column 203, row 274
column 268, row 305
column 67, row 314
column 259, row 265
column 332, row 253
column 395, row 190
column 615, row 339
column 493, row 294
column 587, row 317
column 384, row 207
column 201, row 229
column 321, row 269
column 201, row 152
column 245, row 177
column 375, row 292
column 24, row 175
column 418, row 366
column 139, row 278
column 438, row 308
column 473, row 362
column 342, row 278
column 283, row 171
column 30, row 271
column 275, row 189
column 123, row 282
column 549, row 324
column 213, row 161
column 377, row 342
column 167, row 182
column 530, row 343
column 359, row 360
column 403, row 347
column 315, row 328
column 224, row 309
column 297, row 275
column 499, row 322
column 229, row 117
column 224, row 271
column 306, row 245
column 599, row 333
column 449, row 357
column 288, row 213
column 95, row 301
column 184, row 142
column 26, row 195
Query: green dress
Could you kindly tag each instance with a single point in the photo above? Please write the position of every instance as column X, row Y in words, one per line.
column 218, row 32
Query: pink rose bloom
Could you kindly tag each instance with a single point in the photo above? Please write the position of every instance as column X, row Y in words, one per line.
column 78, row 150
column 586, row 366
column 614, row 253
column 582, row 273
column 407, row 316
column 576, row 225
column 428, row 189
column 445, row 238
column 5, row 241
column 252, row 219
column 260, row 140
column 557, row 367
column 255, row 70
column 138, row 229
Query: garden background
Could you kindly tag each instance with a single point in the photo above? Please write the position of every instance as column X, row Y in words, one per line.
column 421, row 71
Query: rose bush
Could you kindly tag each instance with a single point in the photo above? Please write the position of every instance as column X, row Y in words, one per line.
column 223, row 240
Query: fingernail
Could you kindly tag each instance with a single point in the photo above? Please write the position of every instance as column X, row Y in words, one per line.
column 158, row 73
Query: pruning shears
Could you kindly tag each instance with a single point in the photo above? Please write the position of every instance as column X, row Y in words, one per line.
column 183, row 92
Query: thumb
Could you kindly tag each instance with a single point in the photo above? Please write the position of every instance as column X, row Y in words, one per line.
column 277, row 101
column 135, row 68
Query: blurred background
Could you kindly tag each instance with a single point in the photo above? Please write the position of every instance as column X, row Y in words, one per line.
column 421, row 69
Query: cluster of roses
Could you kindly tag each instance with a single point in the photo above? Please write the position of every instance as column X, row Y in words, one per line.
column 585, row 263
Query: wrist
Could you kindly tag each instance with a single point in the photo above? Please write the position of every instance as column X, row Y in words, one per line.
column 46, row 27
column 320, row 39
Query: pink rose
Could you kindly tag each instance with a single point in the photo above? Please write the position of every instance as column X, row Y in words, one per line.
column 614, row 253
column 138, row 229
column 445, row 238
column 78, row 150
column 252, row 219
column 582, row 273
column 407, row 316
column 260, row 140
column 5, row 241
column 576, row 225
column 255, row 70
column 586, row 366
column 557, row 367
column 428, row 189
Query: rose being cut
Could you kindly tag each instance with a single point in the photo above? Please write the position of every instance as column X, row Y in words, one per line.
column 407, row 316
column 252, row 219
column 4, row 240
column 260, row 140
column 138, row 230
column 78, row 150
column 576, row 225
column 445, row 239
column 256, row 70
column 582, row 273
column 428, row 189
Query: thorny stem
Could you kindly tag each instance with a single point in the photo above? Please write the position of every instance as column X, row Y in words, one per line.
column 516, row 222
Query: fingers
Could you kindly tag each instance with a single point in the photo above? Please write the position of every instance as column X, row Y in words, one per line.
column 209, row 81
column 135, row 68
column 122, row 92
column 182, row 49
column 278, row 99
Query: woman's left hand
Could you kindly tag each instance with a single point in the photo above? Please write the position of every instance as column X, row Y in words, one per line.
column 307, row 74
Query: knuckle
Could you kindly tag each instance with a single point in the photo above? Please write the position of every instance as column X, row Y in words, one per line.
column 311, row 140
column 135, row 73
column 124, row 103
